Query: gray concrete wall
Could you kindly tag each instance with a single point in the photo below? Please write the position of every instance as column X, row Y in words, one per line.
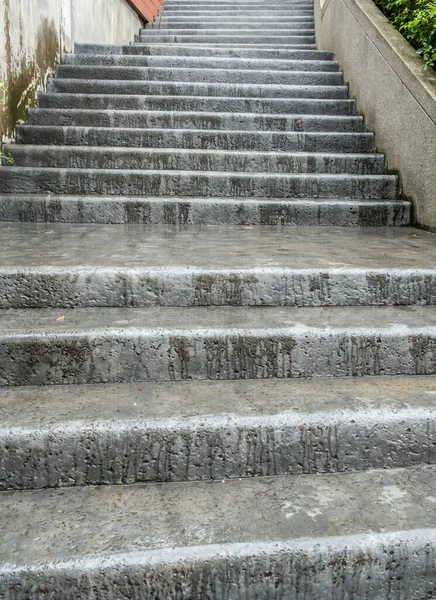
column 34, row 35
column 397, row 98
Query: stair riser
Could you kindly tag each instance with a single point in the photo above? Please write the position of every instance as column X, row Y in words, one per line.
column 75, row 159
column 291, row 30
column 254, row 7
column 110, row 356
column 189, row 120
column 200, row 62
column 372, row 561
column 196, row 51
column 168, row 103
column 188, row 184
column 196, row 139
column 246, row 5
column 229, row 46
column 207, row 212
column 79, row 86
column 267, row 27
column 256, row 13
column 200, row 75
column 188, row 10
column 140, row 161
column 230, row 23
column 256, row 39
column 137, row 288
column 214, row 448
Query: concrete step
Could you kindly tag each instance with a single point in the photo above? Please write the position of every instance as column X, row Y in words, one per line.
column 70, row 266
column 206, row 104
column 252, row 14
column 218, row 184
column 343, row 142
column 256, row 537
column 299, row 10
column 229, row 46
column 226, row 22
column 291, row 30
column 227, row 27
column 85, row 157
column 115, row 345
column 294, row 38
column 191, row 75
column 197, row 51
column 200, row 62
column 135, row 433
column 202, row 9
column 194, row 120
column 206, row 211
column 266, row 5
column 255, row 7
column 248, row 7
column 185, row 88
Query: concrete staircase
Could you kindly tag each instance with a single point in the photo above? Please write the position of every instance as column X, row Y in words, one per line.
column 201, row 400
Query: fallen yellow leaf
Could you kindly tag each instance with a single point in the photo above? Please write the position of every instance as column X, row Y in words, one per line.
column 61, row 318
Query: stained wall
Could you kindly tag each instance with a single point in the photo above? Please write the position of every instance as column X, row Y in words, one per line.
column 34, row 36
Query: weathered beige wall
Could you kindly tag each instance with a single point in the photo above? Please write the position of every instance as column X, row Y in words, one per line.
column 34, row 34
column 396, row 97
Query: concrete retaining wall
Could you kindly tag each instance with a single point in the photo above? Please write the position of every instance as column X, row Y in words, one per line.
column 397, row 98
column 34, row 34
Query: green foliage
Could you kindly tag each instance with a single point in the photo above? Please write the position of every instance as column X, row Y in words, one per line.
column 6, row 157
column 416, row 20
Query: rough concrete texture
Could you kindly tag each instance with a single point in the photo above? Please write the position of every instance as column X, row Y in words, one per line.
column 397, row 97
column 256, row 30
column 204, row 50
column 217, row 184
column 110, row 345
column 198, row 160
column 73, row 266
column 197, row 103
column 185, row 88
column 174, row 26
column 206, row 211
column 124, row 434
column 261, row 538
column 197, row 74
column 34, row 34
column 172, row 318
column 204, row 62
column 307, row 41
column 194, row 120
column 238, row 136
column 292, row 141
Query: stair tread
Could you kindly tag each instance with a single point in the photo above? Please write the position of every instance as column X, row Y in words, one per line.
column 214, row 248
column 203, row 50
column 83, row 528
column 213, row 404
column 192, row 321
